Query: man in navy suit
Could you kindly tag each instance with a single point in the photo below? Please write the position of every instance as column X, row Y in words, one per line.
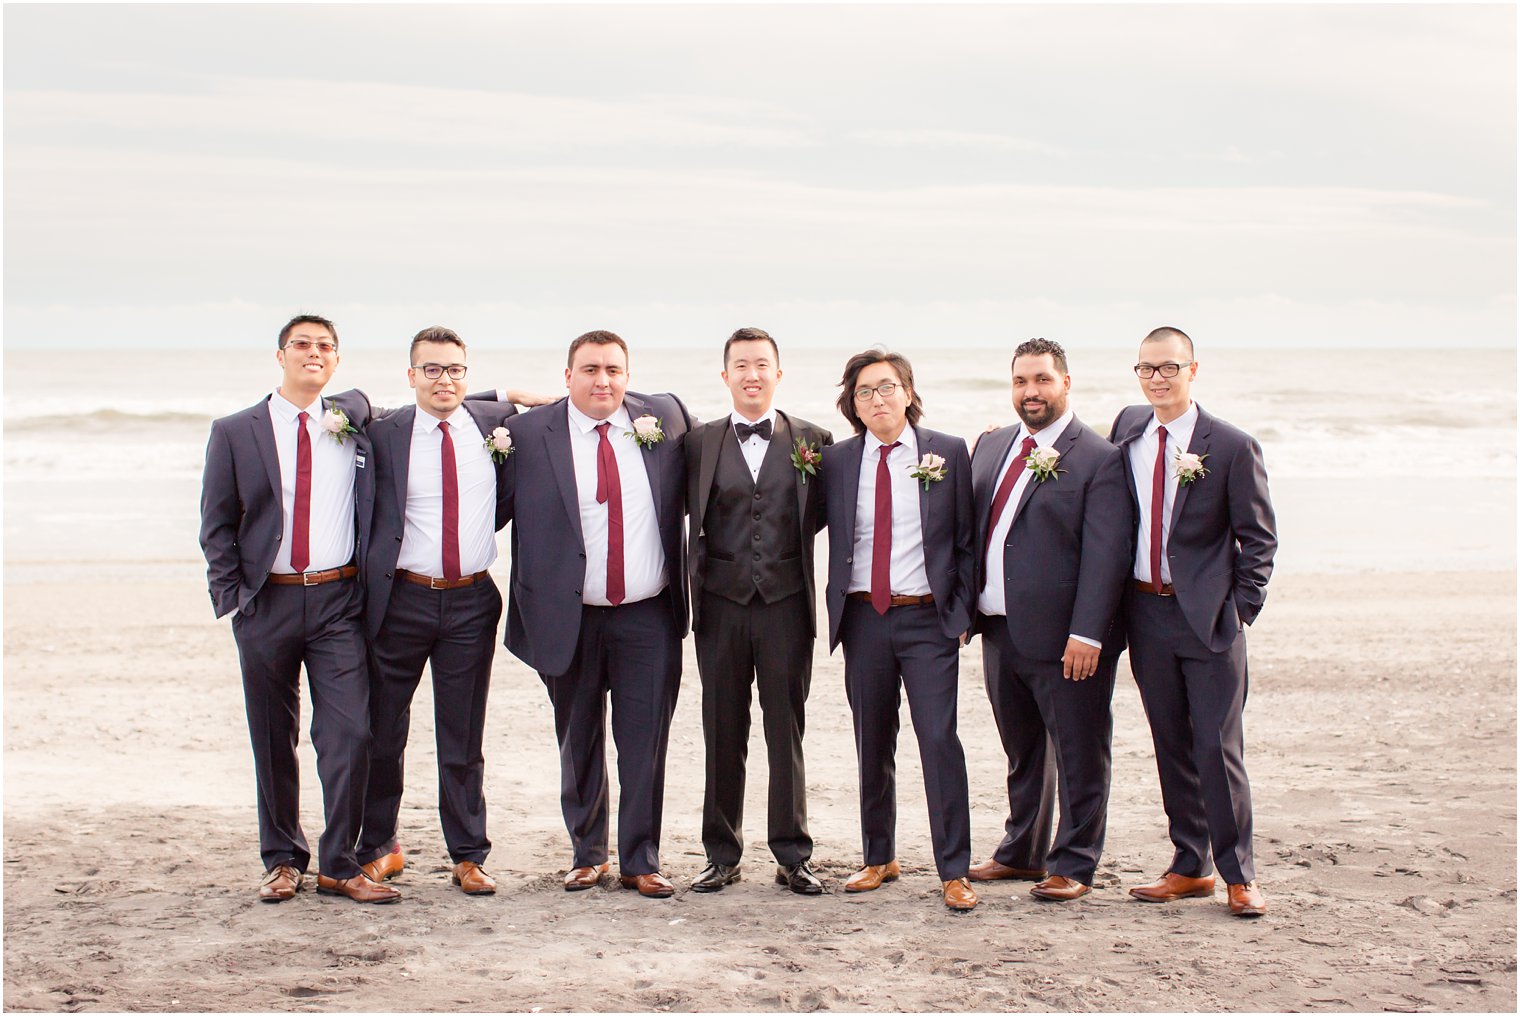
column 284, row 503
column 1054, row 521
column 439, row 499
column 755, row 503
column 900, row 596
column 1205, row 540
column 596, row 490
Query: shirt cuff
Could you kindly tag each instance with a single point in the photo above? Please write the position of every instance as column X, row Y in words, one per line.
column 1087, row 641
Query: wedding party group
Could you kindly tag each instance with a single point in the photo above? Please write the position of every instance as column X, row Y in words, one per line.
column 357, row 542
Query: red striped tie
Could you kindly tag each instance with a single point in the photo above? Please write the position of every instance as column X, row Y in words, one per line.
column 450, row 506
column 1158, row 507
column 300, row 523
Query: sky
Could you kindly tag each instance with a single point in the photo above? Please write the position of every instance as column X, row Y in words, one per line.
column 1281, row 176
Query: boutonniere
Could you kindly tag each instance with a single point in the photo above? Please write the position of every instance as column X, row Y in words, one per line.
column 1042, row 463
column 930, row 469
column 646, row 431
column 499, row 444
column 806, row 459
column 335, row 422
column 1190, row 467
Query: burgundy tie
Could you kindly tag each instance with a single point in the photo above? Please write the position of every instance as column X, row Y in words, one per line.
column 450, row 506
column 300, row 524
column 609, row 491
column 1158, row 506
column 881, row 538
column 1005, row 489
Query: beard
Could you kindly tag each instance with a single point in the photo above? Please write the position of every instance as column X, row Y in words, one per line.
column 1040, row 417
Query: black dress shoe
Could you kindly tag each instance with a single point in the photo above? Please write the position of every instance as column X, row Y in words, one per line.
column 714, row 877
column 799, row 878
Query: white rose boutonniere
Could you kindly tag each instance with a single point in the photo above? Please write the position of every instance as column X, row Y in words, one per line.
column 1190, row 467
column 930, row 469
column 335, row 422
column 646, row 431
column 499, row 444
column 1042, row 463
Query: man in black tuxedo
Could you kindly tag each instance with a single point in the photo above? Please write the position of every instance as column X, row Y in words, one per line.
column 439, row 500
column 596, row 489
column 1054, row 521
column 1205, row 540
column 755, row 501
column 286, row 499
column 900, row 596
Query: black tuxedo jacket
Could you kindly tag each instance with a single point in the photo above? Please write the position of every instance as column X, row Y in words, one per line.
column 548, row 550
column 702, row 447
column 1070, row 547
column 242, row 509
column 1223, row 530
column 391, row 441
column 948, row 523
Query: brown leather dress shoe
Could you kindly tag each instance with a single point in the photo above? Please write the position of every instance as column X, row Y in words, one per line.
column 1172, row 886
column 959, row 895
column 1247, row 900
column 472, row 878
column 386, row 866
column 361, row 889
column 584, row 878
column 1061, row 889
column 994, row 871
column 654, row 885
column 872, row 876
column 280, row 883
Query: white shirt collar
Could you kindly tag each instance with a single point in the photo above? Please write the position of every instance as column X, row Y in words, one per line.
column 1186, row 421
column 1048, row 435
column 426, row 421
column 288, row 410
column 908, row 439
column 585, row 424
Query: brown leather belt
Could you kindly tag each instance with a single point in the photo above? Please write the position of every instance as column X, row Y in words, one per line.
column 897, row 601
column 314, row 578
column 432, row 583
column 1146, row 587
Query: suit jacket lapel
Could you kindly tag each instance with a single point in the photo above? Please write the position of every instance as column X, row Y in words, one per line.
column 707, row 465
column 1124, row 442
column 1198, row 444
column 1062, row 445
column 562, row 464
column 853, row 459
column 400, row 452
column 787, row 439
column 263, row 439
column 653, row 459
column 925, row 447
column 994, row 447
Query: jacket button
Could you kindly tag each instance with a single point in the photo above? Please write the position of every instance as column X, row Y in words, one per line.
column 757, row 578
column 757, row 516
column 757, row 557
column 577, row 592
column 387, row 574
column 757, row 495
column 757, row 536
column 398, row 539
column 849, row 560
column 280, row 537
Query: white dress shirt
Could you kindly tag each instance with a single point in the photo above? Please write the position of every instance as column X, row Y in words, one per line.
column 330, row 529
column 1142, row 460
column 909, row 575
column 992, row 600
column 422, row 538
column 754, row 447
column 643, row 554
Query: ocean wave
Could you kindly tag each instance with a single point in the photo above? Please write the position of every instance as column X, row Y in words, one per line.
column 97, row 420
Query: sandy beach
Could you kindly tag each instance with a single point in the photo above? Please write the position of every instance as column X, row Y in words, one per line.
column 1380, row 742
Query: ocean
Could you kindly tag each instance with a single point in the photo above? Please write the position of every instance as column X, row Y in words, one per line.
column 1375, row 464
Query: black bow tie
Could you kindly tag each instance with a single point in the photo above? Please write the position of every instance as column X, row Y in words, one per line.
column 744, row 430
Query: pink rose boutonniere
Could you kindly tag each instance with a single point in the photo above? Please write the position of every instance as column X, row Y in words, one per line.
column 930, row 469
column 499, row 444
column 646, row 431
column 335, row 422
column 1042, row 463
column 1190, row 467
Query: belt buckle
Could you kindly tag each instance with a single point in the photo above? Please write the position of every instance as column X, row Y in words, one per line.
column 437, row 583
column 311, row 578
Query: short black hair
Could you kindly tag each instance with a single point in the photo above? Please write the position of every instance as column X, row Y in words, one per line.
column 751, row 335
column 859, row 362
column 1039, row 347
column 1168, row 332
column 598, row 338
column 307, row 319
column 435, row 333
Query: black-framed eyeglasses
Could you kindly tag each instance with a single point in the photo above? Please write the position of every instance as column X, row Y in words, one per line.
column 885, row 390
column 434, row 371
column 1146, row 370
column 306, row 346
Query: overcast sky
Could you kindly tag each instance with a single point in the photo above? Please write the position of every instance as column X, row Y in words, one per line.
column 192, row 175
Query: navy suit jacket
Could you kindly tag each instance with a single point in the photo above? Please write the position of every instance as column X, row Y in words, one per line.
column 548, row 550
column 242, row 506
column 1071, row 545
column 948, row 523
column 1223, row 530
column 702, row 447
column 391, row 440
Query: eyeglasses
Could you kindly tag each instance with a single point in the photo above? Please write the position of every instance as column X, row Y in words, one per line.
column 306, row 346
column 434, row 371
column 885, row 390
column 1146, row 371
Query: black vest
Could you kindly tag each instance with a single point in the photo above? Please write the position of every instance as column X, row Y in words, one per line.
column 751, row 529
